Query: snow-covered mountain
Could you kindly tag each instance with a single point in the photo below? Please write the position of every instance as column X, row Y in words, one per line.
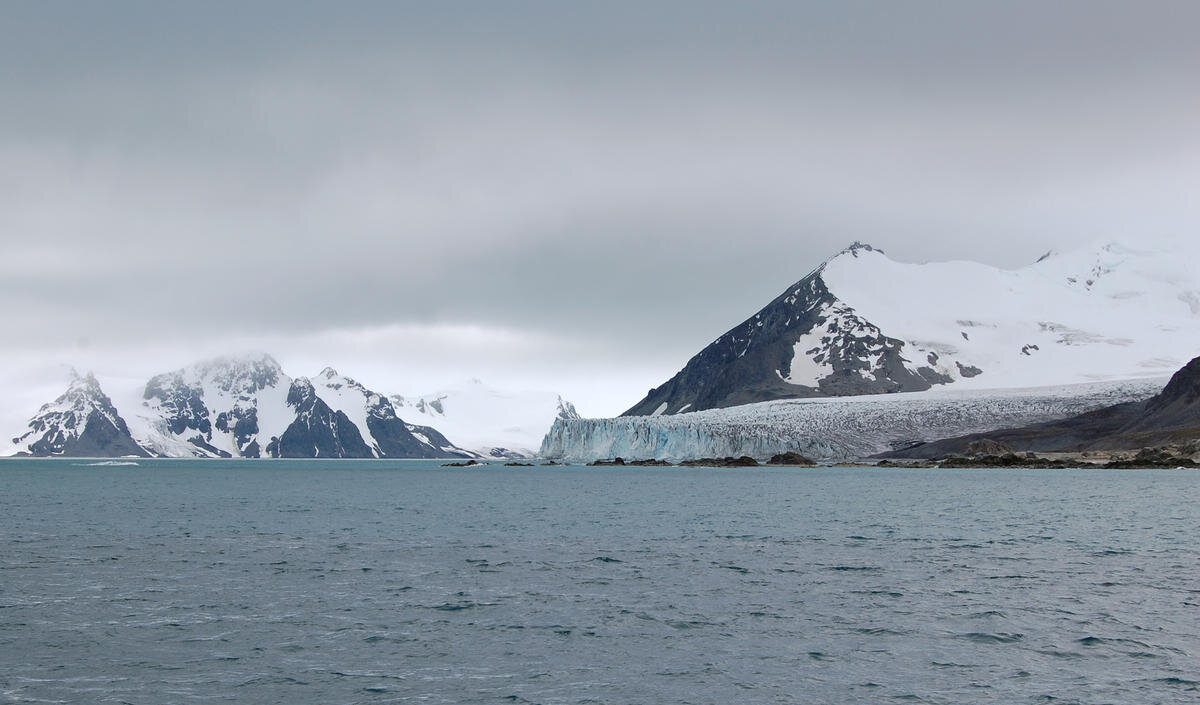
column 491, row 422
column 862, row 323
column 81, row 422
column 384, row 433
column 232, row 407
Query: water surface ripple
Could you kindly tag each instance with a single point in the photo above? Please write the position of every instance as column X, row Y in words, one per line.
column 378, row 582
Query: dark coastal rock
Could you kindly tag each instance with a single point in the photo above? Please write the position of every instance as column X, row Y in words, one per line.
column 744, row 461
column 605, row 463
column 464, row 464
column 1155, row 458
column 621, row 462
column 790, row 459
column 1008, row 460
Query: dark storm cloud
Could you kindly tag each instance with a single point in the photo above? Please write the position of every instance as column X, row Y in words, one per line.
column 643, row 172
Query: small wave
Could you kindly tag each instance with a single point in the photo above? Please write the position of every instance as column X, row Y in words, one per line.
column 455, row 606
column 988, row 613
column 879, row 631
column 998, row 638
column 105, row 464
column 1172, row 680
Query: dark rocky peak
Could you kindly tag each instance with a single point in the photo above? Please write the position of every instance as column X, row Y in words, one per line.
column 856, row 248
column 318, row 431
column 753, row 361
column 1184, row 386
column 80, row 422
column 301, row 391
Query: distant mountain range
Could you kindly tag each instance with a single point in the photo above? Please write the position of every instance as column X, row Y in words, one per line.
column 862, row 323
column 248, row 407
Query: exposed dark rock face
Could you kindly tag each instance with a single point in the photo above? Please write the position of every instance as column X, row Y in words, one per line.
column 182, row 403
column 244, row 428
column 80, row 423
column 1170, row 417
column 753, row 361
column 318, row 431
column 437, row 441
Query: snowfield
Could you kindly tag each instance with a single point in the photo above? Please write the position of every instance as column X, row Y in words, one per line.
column 835, row 428
column 1103, row 312
column 485, row 420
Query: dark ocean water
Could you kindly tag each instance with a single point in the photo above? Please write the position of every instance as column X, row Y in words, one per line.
column 375, row 582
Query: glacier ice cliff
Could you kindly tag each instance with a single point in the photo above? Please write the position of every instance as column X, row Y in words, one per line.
column 839, row 428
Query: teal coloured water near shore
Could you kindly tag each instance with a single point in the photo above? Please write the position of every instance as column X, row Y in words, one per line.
column 404, row 581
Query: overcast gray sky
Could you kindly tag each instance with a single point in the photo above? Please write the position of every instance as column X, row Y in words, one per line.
column 563, row 195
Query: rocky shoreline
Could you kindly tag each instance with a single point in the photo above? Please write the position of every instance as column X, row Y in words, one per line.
column 1145, row 458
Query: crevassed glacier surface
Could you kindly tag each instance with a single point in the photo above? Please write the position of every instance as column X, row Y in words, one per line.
column 839, row 428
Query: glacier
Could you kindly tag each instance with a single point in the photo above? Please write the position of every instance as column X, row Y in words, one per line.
column 831, row 428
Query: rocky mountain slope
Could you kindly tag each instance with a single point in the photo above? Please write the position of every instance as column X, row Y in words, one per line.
column 1170, row 417
column 862, row 324
column 81, row 422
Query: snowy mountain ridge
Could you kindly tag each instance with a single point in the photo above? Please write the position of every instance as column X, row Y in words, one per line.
column 230, row 407
column 248, row 407
column 862, row 323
